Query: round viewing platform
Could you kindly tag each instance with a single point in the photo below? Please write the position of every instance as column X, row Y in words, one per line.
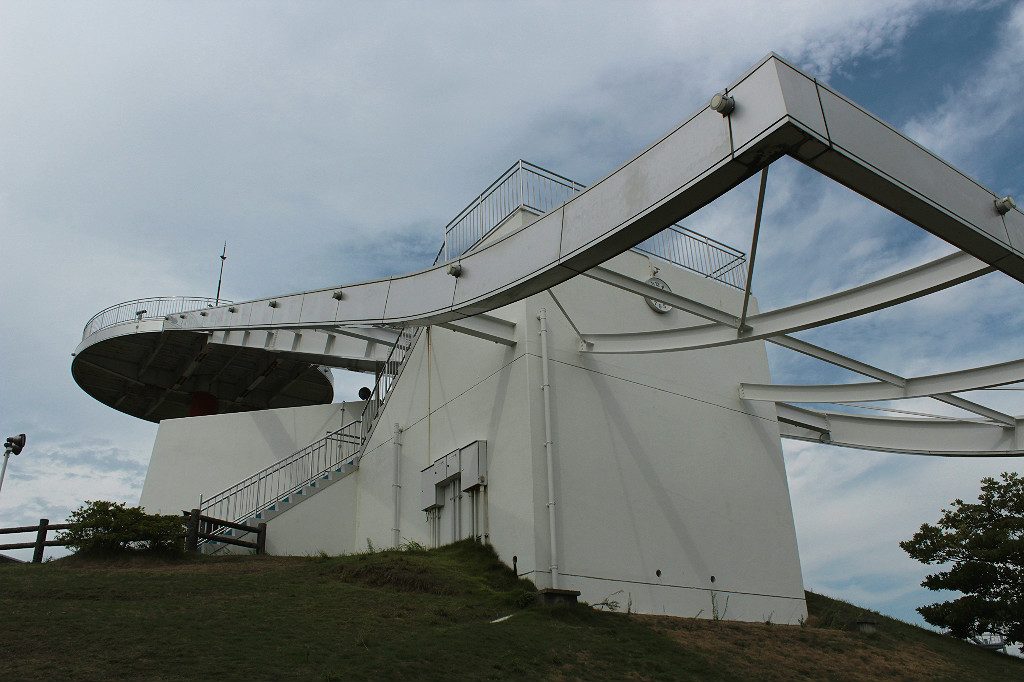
column 127, row 361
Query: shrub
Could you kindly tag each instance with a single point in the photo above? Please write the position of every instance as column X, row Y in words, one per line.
column 102, row 528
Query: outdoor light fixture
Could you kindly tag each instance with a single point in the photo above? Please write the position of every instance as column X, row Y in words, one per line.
column 232, row 309
column 12, row 446
column 337, row 295
column 273, row 304
column 1005, row 205
column 455, row 270
column 723, row 103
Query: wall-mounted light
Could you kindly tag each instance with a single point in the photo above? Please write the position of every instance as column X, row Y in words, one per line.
column 455, row 270
column 232, row 309
column 723, row 103
column 273, row 304
column 1005, row 205
column 338, row 295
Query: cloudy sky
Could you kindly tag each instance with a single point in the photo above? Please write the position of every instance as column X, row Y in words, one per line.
column 329, row 143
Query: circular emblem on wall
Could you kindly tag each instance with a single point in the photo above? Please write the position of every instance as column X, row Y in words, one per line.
column 658, row 306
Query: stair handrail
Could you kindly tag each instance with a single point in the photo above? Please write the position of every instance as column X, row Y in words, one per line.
column 256, row 492
column 386, row 379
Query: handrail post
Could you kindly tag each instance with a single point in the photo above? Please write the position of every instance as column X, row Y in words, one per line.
column 37, row 553
column 261, row 538
column 192, row 532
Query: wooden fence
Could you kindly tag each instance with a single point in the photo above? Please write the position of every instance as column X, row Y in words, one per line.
column 197, row 526
column 40, row 543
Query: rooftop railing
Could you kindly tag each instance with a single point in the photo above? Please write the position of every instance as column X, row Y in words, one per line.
column 155, row 308
column 699, row 253
column 525, row 185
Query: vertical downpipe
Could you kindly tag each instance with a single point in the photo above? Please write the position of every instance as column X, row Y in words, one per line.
column 397, row 444
column 546, row 389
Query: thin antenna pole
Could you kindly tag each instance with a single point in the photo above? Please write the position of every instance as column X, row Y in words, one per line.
column 220, row 278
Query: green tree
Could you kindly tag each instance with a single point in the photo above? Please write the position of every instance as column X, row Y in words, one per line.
column 107, row 528
column 983, row 546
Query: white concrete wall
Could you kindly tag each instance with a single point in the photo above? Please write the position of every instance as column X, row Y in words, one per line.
column 326, row 522
column 476, row 390
column 660, row 466
column 204, row 455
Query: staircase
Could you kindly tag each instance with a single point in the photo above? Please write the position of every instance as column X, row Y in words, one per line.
column 289, row 481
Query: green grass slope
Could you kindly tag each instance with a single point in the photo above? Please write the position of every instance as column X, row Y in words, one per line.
column 414, row 615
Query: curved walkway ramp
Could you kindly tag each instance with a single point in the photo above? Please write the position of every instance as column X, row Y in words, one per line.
column 773, row 110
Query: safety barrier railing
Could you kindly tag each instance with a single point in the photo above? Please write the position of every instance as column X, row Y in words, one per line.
column 701, row 254
column 155, row 308
column 286, row 477
column 522, row 185
column 525, row 185
column 387, row 377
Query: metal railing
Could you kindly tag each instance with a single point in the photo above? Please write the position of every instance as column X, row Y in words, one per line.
column 155, row 308
column 526, row 185
column 701, row 254
column 286, row 477
column 387, row 377
column 522, row 185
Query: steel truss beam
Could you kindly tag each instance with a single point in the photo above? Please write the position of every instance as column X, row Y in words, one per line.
column 485, row 327
column 896, row 434
column 892, row 386
column 905, row 286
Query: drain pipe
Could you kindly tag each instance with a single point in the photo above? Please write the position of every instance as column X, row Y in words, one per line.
column 397, row 445
column 546, row 389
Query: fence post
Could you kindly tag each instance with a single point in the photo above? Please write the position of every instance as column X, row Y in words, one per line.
column 192, row 532
column 37, row 554
column 261, row 538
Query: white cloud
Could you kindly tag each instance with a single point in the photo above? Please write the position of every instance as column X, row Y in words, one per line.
column 976, row 117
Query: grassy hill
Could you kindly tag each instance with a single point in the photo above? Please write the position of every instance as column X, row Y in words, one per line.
column 414, row 615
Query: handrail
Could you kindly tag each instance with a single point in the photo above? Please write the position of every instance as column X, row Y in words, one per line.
column 523, row 184
column 392, row 368
column 152, row 308
column 266, row 487
column 697, row 252
column 261, row 490
column 526, row 185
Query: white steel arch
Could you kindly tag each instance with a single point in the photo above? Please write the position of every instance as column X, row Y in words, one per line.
column 779, row 111
column 916, row 387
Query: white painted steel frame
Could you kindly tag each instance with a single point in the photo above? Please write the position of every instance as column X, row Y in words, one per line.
column 779, row 111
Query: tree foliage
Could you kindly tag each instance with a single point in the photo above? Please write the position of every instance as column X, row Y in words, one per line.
column 983, row 546
column 108, row 528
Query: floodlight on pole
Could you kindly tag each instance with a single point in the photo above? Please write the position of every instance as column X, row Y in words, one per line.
column 13, row 445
